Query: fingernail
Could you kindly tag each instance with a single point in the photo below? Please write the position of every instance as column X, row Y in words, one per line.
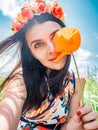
column 78, row 113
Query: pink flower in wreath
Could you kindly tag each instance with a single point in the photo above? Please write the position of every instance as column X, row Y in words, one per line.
column 16, row 26
column 42, row 8
column 27, row 13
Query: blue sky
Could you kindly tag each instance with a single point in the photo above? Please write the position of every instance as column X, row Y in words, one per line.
column 82, row 14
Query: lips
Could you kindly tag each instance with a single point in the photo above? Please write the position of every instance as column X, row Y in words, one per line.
column 54, row 58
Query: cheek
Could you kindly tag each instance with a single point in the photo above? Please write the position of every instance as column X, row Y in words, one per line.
column 39, row 55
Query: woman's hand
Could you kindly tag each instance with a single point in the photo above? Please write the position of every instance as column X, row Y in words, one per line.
column 84, row 119
column 89, row 118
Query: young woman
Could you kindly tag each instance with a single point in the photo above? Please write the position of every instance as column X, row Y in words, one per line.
column 42, row 94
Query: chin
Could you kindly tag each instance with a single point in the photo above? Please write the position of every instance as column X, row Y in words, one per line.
column 61, row 64
column 58, row 66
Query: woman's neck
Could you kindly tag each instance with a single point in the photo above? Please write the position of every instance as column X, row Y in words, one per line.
column 48, row 71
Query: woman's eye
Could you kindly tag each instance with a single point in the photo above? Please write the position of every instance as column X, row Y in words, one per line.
column 38, row 44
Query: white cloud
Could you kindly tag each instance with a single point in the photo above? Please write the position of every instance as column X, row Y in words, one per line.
column 82, row 54
column 9, row 7
column 82, row 59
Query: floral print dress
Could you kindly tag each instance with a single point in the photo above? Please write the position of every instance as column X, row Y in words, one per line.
column 53, row 111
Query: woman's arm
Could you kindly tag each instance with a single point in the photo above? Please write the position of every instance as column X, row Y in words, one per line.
column 12, row 103
column 76, row 99
column 81, row 117
column 74, row 106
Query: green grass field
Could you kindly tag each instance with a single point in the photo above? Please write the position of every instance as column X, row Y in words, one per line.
column 1, row 93
column 90, row 93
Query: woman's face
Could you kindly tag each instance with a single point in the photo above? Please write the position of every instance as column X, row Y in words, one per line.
column 40, row 41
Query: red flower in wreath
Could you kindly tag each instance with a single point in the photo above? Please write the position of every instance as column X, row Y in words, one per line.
column 42, row 8
column 57, row 11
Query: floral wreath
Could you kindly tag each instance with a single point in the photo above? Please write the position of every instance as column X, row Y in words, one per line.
column 36, row 8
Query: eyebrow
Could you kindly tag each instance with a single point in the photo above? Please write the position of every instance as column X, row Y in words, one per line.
column 35, row 41
column 38, row 40
column 54, row 32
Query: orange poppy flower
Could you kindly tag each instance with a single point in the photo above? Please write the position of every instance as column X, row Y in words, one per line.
column 66, row 41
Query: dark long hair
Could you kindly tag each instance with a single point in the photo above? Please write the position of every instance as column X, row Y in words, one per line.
column 34, row 73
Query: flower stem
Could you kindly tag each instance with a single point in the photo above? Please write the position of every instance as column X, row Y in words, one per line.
column 81, row 87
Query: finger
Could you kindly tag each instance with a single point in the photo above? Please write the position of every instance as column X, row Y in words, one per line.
column 77, row 117
column 81, row 111
column 91, row 125
column 85, row 110
column 90, row 116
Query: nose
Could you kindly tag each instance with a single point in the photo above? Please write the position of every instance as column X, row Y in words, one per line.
column 50, row 46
